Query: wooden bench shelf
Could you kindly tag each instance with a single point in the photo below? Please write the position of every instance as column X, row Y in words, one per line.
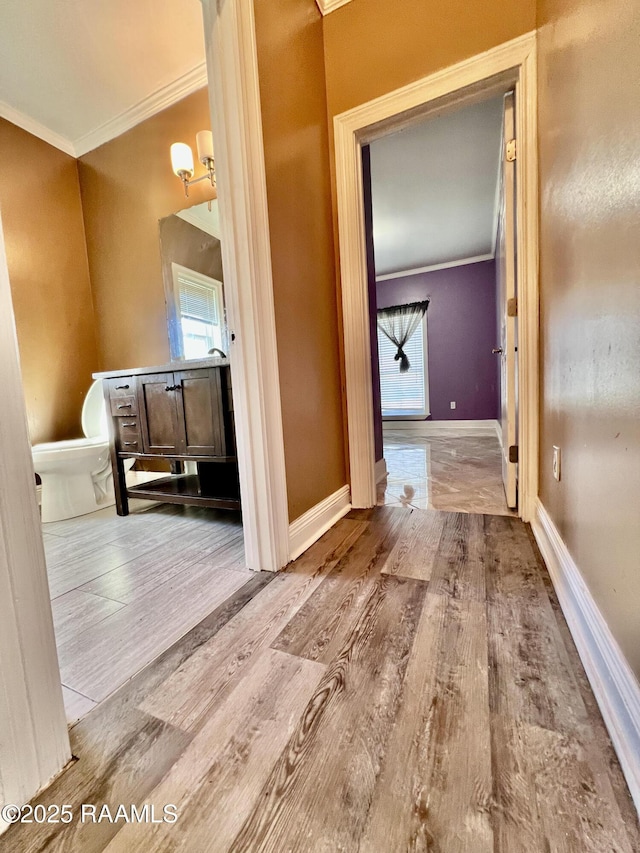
column 181, row 489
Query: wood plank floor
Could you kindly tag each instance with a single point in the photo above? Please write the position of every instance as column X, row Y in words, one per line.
column 409, row 684
column 125, row 589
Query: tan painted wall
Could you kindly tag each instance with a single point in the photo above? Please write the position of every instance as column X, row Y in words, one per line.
column 127, row 187
column 44, row 234
column 374, row 46
column 294, row 116
column 590, row 292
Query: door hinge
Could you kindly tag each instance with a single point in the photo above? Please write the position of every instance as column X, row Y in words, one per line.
column 512, row 307
column 511, row 150
column 513, row 453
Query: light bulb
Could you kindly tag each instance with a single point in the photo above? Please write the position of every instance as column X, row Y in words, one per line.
column 204, row 143
column 182, row 159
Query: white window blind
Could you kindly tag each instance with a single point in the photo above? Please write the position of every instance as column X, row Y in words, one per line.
column 404, row 394
column 198, row 302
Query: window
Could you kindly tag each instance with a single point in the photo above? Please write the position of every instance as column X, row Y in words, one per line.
column 201, row 311
column 404, row 395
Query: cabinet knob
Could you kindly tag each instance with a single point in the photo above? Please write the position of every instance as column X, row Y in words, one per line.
column 124, row 405
column 172, row 387
column 122, row 387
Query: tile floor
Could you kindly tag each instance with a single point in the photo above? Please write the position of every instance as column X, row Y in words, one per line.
column 450, row 470
column 125, row 589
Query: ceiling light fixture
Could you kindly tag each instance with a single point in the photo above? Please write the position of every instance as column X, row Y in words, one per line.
column 182, row 160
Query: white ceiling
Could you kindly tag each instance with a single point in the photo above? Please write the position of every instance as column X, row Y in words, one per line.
column 77, row 71
column 203, row 218
column 434, row 189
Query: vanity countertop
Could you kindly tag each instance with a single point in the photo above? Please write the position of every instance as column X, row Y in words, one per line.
column 190, row 364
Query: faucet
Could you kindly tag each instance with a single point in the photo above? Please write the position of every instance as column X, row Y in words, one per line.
column 216, row 350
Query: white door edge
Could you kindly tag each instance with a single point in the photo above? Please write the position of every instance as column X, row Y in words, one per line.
column 35, row 741
column 506, row 276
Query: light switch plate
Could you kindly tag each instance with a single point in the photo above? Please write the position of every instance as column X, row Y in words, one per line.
column 556, row 462
column 452, row 404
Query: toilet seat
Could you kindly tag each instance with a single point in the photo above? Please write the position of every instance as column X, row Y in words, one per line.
column 69, row 444
column 94, row 413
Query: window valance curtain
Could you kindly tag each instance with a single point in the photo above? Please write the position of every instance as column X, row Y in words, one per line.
column 398, row 323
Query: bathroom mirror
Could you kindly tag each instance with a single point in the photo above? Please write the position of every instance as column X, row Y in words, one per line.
column 193, row 284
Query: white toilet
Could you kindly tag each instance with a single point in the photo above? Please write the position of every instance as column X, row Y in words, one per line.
column 76, row 475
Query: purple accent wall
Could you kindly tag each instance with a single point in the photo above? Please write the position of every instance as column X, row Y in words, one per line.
column 461, row 331
column 371, row 280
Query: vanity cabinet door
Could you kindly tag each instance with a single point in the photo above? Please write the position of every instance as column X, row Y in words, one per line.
column 158, row 405
column 201, row 412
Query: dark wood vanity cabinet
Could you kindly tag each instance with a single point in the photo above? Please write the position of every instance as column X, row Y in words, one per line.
column 183, row 415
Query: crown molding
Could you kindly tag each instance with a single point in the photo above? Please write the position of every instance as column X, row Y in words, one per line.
column 461, row 263
column 154, row 103
column 327, row 6
column 36, row 129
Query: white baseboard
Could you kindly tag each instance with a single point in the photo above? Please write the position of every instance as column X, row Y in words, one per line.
column 428, row 427
column 614, row 684
column 381, row 470
column 308, row 528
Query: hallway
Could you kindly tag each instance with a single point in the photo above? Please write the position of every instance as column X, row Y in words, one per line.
column 408, row 684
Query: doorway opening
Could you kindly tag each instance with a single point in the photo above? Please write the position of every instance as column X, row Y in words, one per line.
column 438, row 261
column 507, row 68
column 147, row 539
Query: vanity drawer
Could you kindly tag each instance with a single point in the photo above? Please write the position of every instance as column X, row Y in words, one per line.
column 122, row 407
column 124, row 386
column 128, row 435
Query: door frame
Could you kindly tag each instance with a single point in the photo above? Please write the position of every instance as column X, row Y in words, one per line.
column 510, row 64
column 234, row 97
column 35, row 740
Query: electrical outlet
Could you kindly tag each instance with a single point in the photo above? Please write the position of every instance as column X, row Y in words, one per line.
column 556, row 462
column 452, row 404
